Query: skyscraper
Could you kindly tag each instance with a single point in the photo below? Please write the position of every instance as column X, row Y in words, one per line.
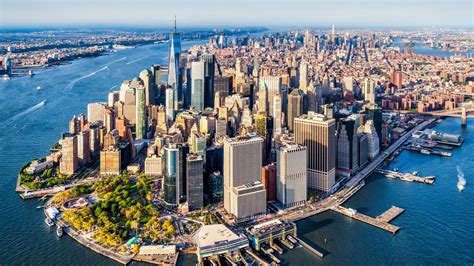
column 295, row 107
column 141, row 117
column 291, row 174
column 174, row 65
column 171, row 178
column 318, row 134
column 194, row 181
column 303, row 76
column 69, row 162
column 169, row 108
column 272, row 85
column 244, row 194
column 372, row 139
column 277, row 113
column 209, row 63
column 83, row 148
column 150, row 91
column 197, row 85
column 347, row 144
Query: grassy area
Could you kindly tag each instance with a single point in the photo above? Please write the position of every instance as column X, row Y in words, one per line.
column 124, row 210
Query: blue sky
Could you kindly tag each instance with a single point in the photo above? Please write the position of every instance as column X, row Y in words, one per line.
column 309, row 13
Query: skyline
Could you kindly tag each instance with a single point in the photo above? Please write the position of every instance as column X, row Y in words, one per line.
column 209, row 13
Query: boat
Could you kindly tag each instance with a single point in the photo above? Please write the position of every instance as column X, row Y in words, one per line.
column 30, row 73
column 425, row 151
column 49, row 222
column 415, row 173
column 59, row 231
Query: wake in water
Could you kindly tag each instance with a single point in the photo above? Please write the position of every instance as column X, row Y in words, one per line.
column 74, row 81
column 461, row 180
column 115, row 61
column 113, row 87
column 134, row 61
column 27, row 111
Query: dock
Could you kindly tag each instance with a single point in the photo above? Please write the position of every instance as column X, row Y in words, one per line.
column 378, row 222
column 407, row 177
column 310, row 248
column 257, row 258
column 429, row 151
column 390, row 214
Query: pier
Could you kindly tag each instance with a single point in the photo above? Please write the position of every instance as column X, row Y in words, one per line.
column 310, row 248
column 407, row 177
column 429, row 151
column 390, row 214
column 379, row 222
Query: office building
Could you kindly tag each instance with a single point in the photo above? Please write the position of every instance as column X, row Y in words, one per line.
column 347, row 144
column 149, row 82
column 153, row 166
column 172, row 175
column 295, row 107
column 318, row 134
column 69, row 161
column 197, row 86
column 291, row 174
column 83, row 148
column 141, row 116
column 269, row 181
column 373, row 140
column 209, row 61
column 194, row 181
column 244, row 194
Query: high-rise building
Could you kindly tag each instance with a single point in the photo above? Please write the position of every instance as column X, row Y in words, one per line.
column 295, row 107
column 363, row 150
column 209, row 61
column 372, row 139
column 374, row 112
column 95, row 112
column 273, row 86
column 244, row 194
column 397, row 78
column 347, row 144
column 216, row 187
column 149, row 82
column 171, row 178
column 110, row 160
column 197, row 85
column 109, row 119
column 318, row 134
column 174, row 74
column 223, row 85
column 194, row 181
column 153, row 166
column 291, row 174
column 141, row 117
column 169, row 108
column 368, row 89
column 277, row 115
column 83, row 148
column 69, row 162
column 269, row 181
column 303, row 76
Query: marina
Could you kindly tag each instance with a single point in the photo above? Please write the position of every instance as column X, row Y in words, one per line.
column 428, row 151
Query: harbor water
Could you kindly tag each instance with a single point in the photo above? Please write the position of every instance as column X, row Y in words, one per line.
column 437, row 223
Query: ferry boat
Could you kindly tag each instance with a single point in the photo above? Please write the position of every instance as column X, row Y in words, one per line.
column 59, row 231
column 49, row 222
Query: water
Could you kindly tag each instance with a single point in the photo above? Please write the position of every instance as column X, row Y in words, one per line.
column 437, row 225
column 33, row 113
column 423, row 49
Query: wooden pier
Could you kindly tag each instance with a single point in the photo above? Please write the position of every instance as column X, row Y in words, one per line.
column 390, row 214
column 379, row 222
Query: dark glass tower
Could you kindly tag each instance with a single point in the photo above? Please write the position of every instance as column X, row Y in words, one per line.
column 173, row 68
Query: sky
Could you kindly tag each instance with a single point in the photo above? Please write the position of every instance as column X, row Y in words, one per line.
column 205, row 13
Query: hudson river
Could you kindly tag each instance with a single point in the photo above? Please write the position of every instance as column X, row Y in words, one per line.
column 437, row 224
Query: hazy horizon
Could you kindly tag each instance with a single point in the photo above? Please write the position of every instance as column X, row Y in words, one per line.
column 232, row 13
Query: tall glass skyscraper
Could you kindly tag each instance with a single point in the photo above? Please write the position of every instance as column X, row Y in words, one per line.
column 171, row 180
column 141, row 119
column 209, row 69
column 197, row 85
column 174, row 70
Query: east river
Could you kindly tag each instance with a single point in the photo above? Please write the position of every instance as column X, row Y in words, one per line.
column 437, row 226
